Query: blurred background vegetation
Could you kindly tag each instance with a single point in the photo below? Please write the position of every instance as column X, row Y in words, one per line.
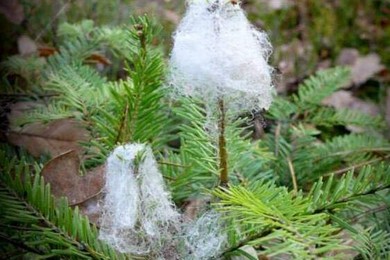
column 307, row 35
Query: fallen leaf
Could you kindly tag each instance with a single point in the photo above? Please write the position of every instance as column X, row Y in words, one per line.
column 348, row 57
column 53, row 138
column 97, row 58
column 345, row 100
column 362, row 67
column 62, row 172
column 172, row 16
column 92, row 209
column 26, row 45
column 276, row 4
column 366, row 67
column 46, row 51
column 39, row 139
column 12, row 10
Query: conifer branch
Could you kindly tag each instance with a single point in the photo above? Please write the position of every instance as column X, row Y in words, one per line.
column 123, row 122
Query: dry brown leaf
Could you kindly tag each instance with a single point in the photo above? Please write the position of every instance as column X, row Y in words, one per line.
column 53, row 138
column 362, row 67
column 172, row 16
column 348, row 57
column 26, row 45
column 366, row 67
column 345, row 100
column 276, row 4
column 38, row 139
column 46, row 51
column 62, row 172
column 91, row 208
column 13, row 10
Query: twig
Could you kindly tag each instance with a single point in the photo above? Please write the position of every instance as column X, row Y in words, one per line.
column 20, row 244
column 224, row 179
column 370, row 211
column 356, row 166
column 173, row 164
column 352, row 197
column 123, row 123
column 362, row 150
column 63, row 8
column 293, row 176
column 277, row 135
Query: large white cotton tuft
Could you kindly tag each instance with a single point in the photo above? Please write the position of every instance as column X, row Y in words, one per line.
column 138, row 215
column 218, row 54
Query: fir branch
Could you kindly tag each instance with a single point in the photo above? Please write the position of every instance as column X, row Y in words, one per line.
column 269, row 213
column 20, row 244
column 332, row 195
column 51, row 228
column 319, row 86
column 356, row 166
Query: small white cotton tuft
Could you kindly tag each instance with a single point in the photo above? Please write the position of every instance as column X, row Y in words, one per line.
column 204, row 238
column 218, row 54
column 138, row 215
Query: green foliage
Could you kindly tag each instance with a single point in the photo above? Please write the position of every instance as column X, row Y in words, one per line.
column 34, row 225
column 313, row 90
column 301, row 225
column 302, row 123
column 134, row 111
column 271, row 203
column 271, row 217
column 198, row 155
column 130, row 110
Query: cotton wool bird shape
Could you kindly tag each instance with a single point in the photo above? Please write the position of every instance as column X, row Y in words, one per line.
column 138, row 215
column 217, row 54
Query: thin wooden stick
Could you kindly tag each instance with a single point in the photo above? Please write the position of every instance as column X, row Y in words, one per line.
column 293, row 177
column 224, row 178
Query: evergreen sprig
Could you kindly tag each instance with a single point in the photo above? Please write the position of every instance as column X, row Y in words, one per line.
column 134, row 109
column 287, row 222
column 35, row 225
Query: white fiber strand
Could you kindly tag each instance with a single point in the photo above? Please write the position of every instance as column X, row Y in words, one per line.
column 138, row 215
column 205, row 238
column 218, row 54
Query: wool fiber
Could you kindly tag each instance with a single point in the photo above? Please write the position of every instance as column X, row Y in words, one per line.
column 138, row 214
column 217, row 54
column 204, row 238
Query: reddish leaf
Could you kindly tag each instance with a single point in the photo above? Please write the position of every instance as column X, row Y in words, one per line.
column 54, row 138
column 63, row 174
column 47, row 51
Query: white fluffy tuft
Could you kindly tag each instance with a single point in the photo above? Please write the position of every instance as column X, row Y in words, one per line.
column 218, row 54
column 138, row 215
column 204, row 238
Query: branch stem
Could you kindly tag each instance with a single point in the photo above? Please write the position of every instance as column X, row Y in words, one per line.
column 224, row 179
